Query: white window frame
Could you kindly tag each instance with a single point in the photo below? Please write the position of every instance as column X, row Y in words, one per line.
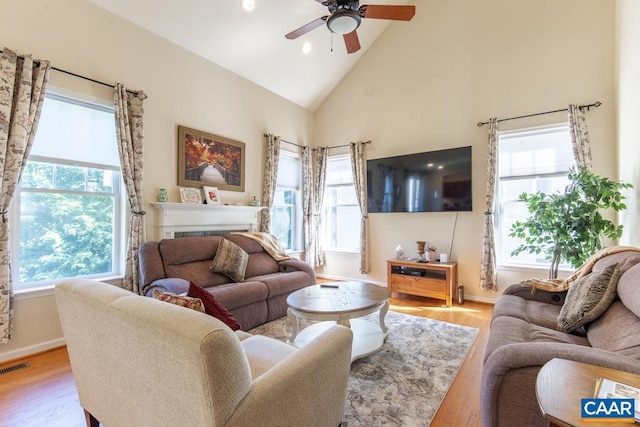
column 297, row 205
column 120, row 216
column 327, row 244
column 504, row 260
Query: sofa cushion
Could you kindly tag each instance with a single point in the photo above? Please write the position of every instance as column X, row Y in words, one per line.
column 507, row 330
column 539, row 313
column 588, row 298
column 197, row 272
column 189, row 258
column 185, row 250
column 629, row 289
column 234, row 295
column 260, row 262
column 212, row 307
column 183, row 301
column 263, row 353
column 613, row 331
column 284, row 283
column 249, row 245
column 625, row 261
column 230, row 260
column 151, row 267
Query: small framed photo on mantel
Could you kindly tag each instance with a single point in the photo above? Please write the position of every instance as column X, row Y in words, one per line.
column 190, row 195
column 211, row 195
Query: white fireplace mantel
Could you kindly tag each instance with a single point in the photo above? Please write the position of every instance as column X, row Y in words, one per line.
column 182, row 217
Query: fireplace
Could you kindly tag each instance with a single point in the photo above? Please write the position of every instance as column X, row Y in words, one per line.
column 183, row 220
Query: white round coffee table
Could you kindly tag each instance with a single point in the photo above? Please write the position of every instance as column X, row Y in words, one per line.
column 341, row 302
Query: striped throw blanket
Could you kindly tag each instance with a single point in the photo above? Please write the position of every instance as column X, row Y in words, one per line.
column 268, row 242
column 559, row 285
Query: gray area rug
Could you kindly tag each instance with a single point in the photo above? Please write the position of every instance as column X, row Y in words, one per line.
column 404, row 383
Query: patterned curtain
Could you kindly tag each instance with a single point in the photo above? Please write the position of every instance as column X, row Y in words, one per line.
column 314, row 252
column 129, row 114
column 307, row 201
column 580, row 137
column 359, row 168
column 270, row 178
column 488, row 278
column 23, row 83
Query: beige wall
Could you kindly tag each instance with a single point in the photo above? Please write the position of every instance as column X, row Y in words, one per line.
column 182, row 88
column 424, row 85
column 628, row 123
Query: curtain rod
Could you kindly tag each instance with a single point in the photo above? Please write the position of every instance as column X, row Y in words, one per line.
column 87, row 78
column 345, row 145
column 93, row 80
column 587, row 106
column 302, row 146
column 287, row 142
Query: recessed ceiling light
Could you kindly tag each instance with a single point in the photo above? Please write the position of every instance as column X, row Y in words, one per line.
column 306, row 47
column 248, row 5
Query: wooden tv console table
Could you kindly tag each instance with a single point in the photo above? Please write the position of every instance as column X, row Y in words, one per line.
column 426, row 279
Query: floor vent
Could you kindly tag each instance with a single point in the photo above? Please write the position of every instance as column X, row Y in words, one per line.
column 13, row 368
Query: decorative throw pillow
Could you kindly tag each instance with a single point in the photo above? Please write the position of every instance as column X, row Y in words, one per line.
column 230, row 260
column 588, row 298
column 213, row 307
column 183, row 301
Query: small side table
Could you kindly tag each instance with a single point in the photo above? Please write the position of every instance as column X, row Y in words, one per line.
column 561, row 384
column 425, row 279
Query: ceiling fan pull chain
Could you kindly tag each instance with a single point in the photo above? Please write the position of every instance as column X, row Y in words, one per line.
column 331, row 38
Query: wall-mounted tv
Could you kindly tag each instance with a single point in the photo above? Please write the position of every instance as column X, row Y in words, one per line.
column 433, row 181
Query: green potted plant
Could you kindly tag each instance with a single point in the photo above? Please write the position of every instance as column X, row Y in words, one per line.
column 568, row 227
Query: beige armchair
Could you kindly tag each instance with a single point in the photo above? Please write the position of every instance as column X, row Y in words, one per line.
column 140, row 362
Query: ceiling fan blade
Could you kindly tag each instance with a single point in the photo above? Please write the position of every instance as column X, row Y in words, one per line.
column 352, row 42
column 306, row 28
column 396, row 13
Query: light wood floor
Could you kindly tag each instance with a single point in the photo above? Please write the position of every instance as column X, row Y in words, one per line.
column 44, row 394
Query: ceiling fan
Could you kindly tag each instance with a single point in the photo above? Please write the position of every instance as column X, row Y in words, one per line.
column 345, row 17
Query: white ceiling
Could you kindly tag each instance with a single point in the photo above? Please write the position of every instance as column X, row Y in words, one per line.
column 252, row 44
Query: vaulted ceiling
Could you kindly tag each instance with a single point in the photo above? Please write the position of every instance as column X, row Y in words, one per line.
column 252, row 43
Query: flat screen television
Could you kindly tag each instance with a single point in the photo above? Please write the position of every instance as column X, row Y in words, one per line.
column 433, row 181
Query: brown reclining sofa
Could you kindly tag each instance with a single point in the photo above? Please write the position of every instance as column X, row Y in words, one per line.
column 171, row 264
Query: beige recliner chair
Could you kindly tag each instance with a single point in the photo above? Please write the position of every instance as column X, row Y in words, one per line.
column 142, row 362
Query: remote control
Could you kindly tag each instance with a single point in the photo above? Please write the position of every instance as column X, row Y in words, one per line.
column 327, row 285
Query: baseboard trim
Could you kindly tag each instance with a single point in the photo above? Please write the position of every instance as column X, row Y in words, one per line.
column 23, row 352
column 480, row 299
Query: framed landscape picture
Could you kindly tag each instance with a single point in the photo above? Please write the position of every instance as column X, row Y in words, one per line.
column 205, row 159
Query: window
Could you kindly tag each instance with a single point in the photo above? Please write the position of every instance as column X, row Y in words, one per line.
column 69, row 201
column 341, row 219
column 528, row 161
column 286, row 212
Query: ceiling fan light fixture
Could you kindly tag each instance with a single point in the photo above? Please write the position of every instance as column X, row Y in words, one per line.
column 343, row 21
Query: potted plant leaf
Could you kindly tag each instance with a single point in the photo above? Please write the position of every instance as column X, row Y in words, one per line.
column 568, row 227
